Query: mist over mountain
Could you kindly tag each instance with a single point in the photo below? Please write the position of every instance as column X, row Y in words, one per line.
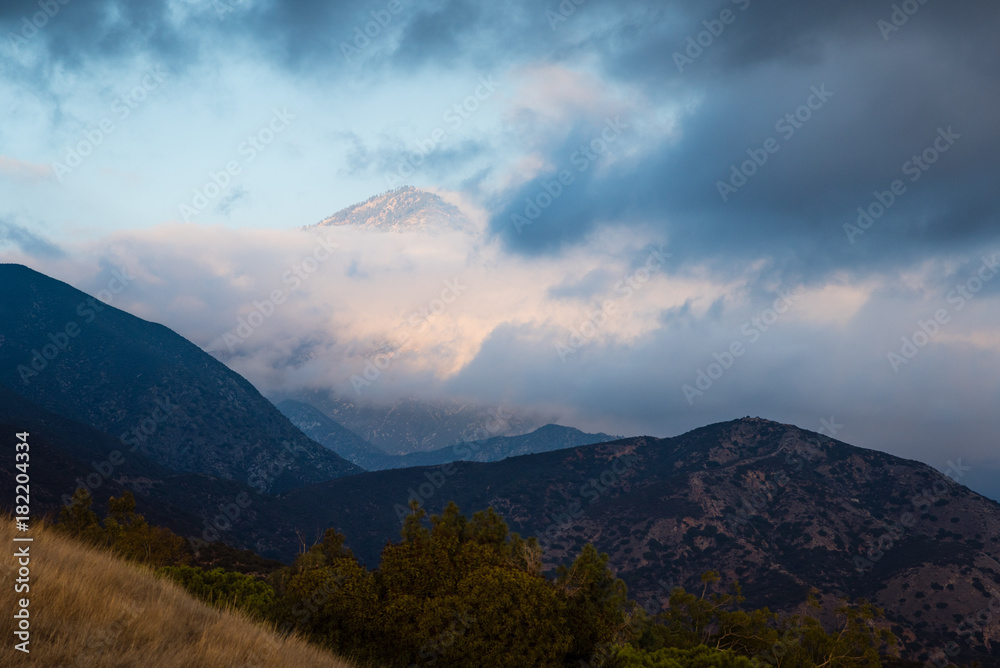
column 453, row 320
column 413, row 425
column 332, row 435
column 324, row 430
column 781, row 509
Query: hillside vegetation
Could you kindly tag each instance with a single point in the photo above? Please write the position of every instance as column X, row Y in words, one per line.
column 91, row 608
column 455, row 591
column 467, row 592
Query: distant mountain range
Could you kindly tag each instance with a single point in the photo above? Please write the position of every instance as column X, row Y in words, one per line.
column 412, row 425
column 114, row 402
column 324, row 430
column 331, row 434
column 403, row 209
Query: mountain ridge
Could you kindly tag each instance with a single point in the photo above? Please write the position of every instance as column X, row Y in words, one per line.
column 329, row 433
column 799, row 511
column 169, row 400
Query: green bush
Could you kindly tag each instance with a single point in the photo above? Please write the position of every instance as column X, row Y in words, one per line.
column 223, row 588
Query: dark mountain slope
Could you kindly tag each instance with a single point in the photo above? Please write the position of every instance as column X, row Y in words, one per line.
column 65, row 454
column 85, row 360
column 332, row 435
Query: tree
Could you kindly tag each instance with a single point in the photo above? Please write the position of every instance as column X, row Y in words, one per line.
column 130, row 536
column 597, row 606
column 223, row 588
column 125, row 531
column 699, row 656
column 79, row 520
column 798, row 641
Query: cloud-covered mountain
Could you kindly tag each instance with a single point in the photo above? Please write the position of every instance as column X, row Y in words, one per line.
column 405, row 208
column 333, row 436
column 459, row 336
column 325, row 431
column 413, row 425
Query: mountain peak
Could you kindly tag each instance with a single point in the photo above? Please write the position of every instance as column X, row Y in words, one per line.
column 404, row 209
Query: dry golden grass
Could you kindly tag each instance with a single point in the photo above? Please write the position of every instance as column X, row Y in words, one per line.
column 91, row 609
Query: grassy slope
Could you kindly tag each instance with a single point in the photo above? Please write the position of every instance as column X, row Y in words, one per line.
column 90, row 609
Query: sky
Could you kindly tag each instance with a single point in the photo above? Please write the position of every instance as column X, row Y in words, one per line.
column 678, row 212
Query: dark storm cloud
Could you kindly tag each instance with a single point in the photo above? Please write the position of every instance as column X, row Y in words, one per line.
column 441, row 32
column 303, row 36
column 83, row 31
column 890, row 100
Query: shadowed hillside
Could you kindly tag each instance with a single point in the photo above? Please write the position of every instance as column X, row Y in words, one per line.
column 75, row 356
column 90, row 609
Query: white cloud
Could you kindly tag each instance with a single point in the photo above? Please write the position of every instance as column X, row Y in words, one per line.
column 462, row 317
